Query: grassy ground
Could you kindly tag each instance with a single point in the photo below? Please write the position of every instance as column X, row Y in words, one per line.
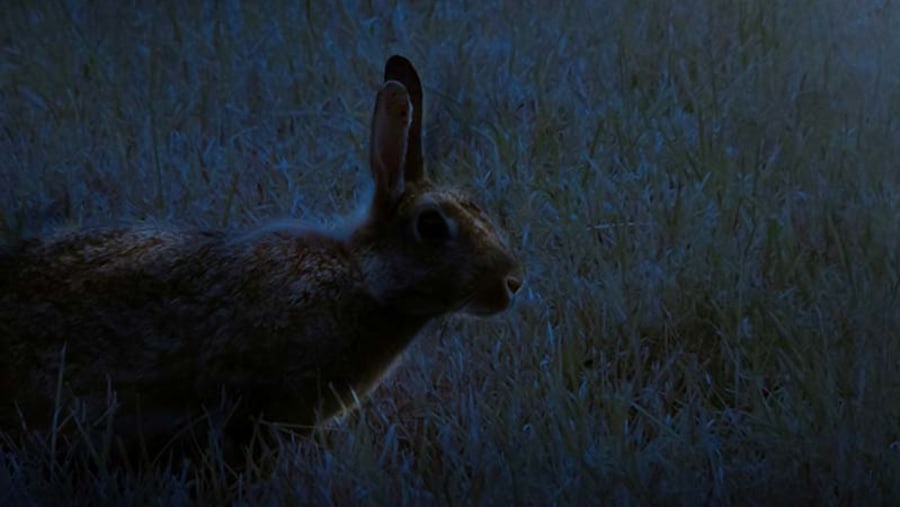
column 705, row 194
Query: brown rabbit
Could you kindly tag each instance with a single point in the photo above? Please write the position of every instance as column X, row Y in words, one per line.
column 284, row 323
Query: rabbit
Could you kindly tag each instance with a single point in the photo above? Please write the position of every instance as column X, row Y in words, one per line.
column 153, row 327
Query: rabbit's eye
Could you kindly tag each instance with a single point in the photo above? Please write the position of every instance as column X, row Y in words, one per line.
column 431, row 225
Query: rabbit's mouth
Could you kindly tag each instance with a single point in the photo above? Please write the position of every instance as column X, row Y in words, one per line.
column 481, row 309
column 478, row 311
column 492, row 297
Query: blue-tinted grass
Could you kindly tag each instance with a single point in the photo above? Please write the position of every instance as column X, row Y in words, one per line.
column 705, row 195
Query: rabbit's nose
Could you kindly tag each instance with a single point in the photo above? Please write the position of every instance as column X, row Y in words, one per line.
column 513, row 284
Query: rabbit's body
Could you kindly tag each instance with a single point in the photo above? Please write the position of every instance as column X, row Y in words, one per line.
column 203, row 310
column 283, row 323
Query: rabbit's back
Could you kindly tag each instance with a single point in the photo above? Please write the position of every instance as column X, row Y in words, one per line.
column 101, row 292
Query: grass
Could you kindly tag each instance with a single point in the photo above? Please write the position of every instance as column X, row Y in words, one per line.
column 705, row 195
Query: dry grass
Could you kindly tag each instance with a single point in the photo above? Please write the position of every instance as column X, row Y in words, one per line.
column 705, row 193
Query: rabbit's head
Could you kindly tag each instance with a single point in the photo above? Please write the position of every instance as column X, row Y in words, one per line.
column 425, row 250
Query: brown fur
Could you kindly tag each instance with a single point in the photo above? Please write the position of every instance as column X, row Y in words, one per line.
column 283, row 323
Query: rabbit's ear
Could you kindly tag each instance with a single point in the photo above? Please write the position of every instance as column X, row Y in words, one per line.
column 387, row 150
column 401, row 70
